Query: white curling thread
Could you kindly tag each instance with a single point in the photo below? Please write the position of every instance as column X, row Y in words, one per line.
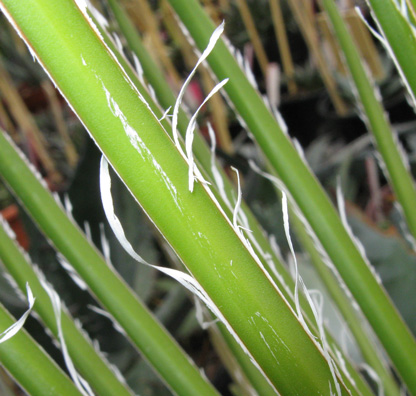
column 356, row 241
column 316, row 306
column 199, row 313
column 242, row 62
column 297, row 276
column 107, row 315
column 15, row 327
column 100, row 18
column 318, row 246
column 375, row 377
column 71, row 271
column 13, row 284
column 139, row 69
column 117, row 42
column 213, row 40
column 81, row 384
column 219, row 182
column 241, row 215
column 343, row 365
column 105, row 246
column 68, row 206
column 165, row 114
column 238, row 203
column 87, row 231
column 246, row 242
column 189, row 137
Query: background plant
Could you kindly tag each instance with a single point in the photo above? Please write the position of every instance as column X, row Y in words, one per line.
column 73, row 69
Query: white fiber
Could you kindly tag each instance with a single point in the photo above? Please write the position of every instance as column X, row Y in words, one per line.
column 316, row 304
column 356, row 241
column 14, row 328
column 6, row 226
column 139, row 68
column 107, row 314
column 68, row 206
column 100, row 18
column 242, row 62
column 219, row 182
column 81, row 384
column 292, row 250
column 238, row 203
column 213, row 40
column 199, row 313
column 87, row 231
column 105, row 246
column 241, row 215
column 375, row 377
column 193, row 173
column 13, row 284
column 165, row 114
column 71, row 272
column 189, row 137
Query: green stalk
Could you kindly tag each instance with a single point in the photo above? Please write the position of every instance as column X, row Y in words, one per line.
column 32, row 368
column 147, row 160
column 90, row 365
column 145, row 332
column 308, row 195
column 398, row 172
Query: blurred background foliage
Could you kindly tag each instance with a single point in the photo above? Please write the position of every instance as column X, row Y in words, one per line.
column 333, row 137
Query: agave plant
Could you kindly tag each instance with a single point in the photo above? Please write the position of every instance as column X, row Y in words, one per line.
column 268, row 326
